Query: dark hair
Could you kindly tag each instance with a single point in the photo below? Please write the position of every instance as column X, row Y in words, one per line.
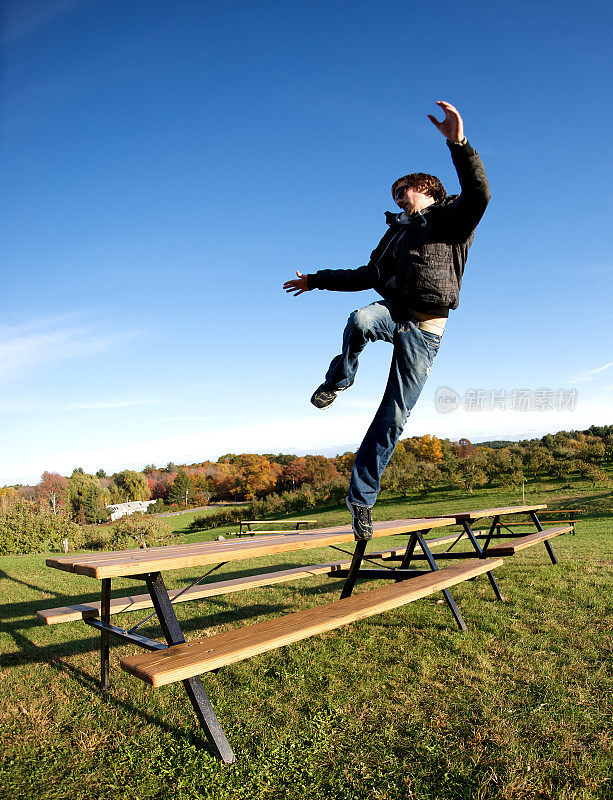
column 428, row 184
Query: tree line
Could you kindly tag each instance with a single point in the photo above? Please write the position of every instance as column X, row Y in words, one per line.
column 419, row 463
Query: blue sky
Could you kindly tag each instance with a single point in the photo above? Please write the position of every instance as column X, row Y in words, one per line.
column 166, row 166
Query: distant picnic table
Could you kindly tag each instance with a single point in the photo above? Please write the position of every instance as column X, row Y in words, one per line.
column 245, row 525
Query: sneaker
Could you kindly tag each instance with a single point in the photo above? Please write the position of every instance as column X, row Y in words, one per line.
column 324, row 395
column 362, row 520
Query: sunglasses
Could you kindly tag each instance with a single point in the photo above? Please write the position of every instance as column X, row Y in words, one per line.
column 399, row 192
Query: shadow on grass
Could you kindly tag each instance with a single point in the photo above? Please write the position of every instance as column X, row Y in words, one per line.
column 29, row 652
column 28, row 608
column 110, row 699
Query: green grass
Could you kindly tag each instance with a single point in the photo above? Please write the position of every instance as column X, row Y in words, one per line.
column 402, row 705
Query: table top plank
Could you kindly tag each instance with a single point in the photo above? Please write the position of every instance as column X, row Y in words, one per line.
column 136, row 562
column 492, row 512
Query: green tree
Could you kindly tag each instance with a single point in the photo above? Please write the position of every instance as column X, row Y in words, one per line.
column 86, row 498
column 399, row 475
column 133, row 485
column 181, row 488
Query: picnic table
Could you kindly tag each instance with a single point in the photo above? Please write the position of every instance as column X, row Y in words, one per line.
column 499, row 528
column 246, row 525
column 177, row 660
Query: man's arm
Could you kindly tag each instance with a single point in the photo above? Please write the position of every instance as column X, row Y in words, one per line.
column 464, row 214
column 336, row 280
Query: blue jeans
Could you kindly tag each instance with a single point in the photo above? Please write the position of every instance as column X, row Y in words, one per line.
column 414, row 352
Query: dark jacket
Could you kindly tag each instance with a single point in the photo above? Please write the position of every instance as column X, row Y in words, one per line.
column 419, row 265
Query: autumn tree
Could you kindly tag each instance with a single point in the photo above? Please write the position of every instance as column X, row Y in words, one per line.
column 201, row 487
column 258, row 475
column 159, row 484
column 8, row 496
column 52, row 490
column 344, row 463
column 319, row 470
column 224, row 478
column 430, row 449
column 469, row 474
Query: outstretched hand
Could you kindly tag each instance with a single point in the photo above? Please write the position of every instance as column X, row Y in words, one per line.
column 452, row 126
column 297, row 286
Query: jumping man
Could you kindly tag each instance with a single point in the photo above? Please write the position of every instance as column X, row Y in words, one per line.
column 417, row 269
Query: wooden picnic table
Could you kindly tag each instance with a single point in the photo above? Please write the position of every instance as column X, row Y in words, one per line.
column 248, row 523
column 149, row 565
column 500, row 528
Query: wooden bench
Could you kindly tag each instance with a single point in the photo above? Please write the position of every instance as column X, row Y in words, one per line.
column 122, row 605
column 570, row 512
column 515, row 545
column 182, row 661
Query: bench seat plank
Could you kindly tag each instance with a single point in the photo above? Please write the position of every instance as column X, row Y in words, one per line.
column 137, row 562
column 512, row 547
column 182, row 661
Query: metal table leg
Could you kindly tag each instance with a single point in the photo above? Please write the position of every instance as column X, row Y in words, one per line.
column 548, row 546
column 446, row 593
column 468, row 531
column 354, row 569
column 105, row 616
column 193, row 686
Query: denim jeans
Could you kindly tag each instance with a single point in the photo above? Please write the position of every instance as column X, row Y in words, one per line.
column 414, row 352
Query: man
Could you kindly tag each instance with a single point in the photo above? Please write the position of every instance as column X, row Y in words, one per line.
column 417, row 268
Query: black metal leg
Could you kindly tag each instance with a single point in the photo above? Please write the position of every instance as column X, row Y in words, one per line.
column 454, row 610
column 548, row 547
column 193, row 686
column 105, row 616
column 408, row 553
column 490, row 533
column 468, row 531
column 552, row 556
column 356, row 561
column 446, row 593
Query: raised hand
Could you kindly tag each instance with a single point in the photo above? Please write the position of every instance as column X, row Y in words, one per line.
column 296, row 286
column 452, row 126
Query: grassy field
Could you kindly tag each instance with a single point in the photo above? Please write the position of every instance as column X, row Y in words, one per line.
column 402, row 705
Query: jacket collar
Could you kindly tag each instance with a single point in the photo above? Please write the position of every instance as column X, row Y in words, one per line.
column 392, row 217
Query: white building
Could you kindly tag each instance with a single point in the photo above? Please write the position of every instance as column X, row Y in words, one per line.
column 124, row 509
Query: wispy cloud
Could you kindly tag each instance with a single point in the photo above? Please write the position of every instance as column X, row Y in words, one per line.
column 103, row 404
column 49, row 341
column 590, row 374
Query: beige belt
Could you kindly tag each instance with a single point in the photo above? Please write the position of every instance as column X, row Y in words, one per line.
column 430, row 327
